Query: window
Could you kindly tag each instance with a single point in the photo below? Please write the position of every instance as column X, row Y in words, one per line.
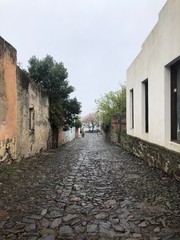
column 132, row 107
column 175, row 102
column 31, row 118
column 146, row 105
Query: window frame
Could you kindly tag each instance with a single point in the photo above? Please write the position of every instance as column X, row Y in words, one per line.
column 145, row 88
column 132, row 107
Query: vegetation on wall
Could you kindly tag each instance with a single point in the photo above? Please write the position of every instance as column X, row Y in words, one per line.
column 52, row 80
column 111, row 103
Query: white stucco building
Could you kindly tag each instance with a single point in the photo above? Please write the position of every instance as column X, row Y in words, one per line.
column 153, row 83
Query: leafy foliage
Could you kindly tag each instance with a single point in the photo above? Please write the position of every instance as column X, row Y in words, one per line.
column 112, row 103
column 52, row 80
column 78, row 123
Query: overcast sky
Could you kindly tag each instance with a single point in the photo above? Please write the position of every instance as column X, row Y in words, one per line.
column 95, row 39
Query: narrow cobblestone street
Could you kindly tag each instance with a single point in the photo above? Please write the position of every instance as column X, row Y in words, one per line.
column 87, row 189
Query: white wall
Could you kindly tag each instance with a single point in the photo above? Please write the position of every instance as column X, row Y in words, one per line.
column 161, row 47
column 69, row 135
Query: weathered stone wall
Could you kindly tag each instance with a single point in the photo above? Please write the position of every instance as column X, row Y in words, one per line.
column 34, row 131
column 118, row 124
column 114, row 134
column 8, row 113
column 154, row 155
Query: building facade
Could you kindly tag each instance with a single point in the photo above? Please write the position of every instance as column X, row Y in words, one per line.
column 8, row 103
column 24, row 110
column 153, row 89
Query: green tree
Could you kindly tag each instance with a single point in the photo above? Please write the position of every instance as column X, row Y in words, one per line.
column 112, row 103
column 52, row 80
column 78, row 123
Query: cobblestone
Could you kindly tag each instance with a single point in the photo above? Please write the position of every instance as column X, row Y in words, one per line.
column 87, row 189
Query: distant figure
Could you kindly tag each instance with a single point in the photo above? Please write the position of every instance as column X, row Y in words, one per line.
column 82, row 132
column 98, row 133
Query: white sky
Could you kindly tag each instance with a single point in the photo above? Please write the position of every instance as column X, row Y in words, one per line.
column 95, row 39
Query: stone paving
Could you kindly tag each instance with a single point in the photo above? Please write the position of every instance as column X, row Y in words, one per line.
column 87, row 189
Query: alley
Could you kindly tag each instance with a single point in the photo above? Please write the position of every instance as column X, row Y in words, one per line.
column 87, row 189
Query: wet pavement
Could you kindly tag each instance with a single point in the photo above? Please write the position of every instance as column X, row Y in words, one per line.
column 87, row 189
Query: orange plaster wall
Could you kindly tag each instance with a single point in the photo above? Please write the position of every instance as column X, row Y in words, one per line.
column 78, row 134
column 60, row 137
column 8, row 128
column 8, row 106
